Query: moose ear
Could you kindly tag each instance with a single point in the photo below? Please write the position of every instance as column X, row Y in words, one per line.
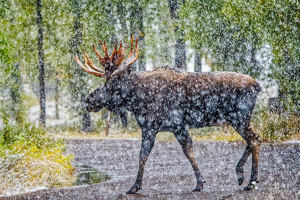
column 122, row 70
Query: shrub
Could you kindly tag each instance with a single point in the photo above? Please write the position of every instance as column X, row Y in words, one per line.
column 29, row 159
column 276, row 126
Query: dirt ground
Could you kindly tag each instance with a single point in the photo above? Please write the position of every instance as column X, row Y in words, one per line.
column 168, row 174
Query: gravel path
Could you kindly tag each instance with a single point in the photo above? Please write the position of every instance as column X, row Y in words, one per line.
column 168, row 174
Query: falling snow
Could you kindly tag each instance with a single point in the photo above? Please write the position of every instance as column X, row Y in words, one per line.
column 213, row 84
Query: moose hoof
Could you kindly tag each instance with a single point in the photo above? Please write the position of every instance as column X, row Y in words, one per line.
column 240, row 180
column 199, row 186
column 133, row 189
column 240, row 175
column 197, row 189
column 251, row 185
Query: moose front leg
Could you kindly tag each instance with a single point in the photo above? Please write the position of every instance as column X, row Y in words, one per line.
column 186, row 143
column 148, row 139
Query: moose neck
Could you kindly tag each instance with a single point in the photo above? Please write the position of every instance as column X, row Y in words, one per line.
column 121, row 89
column 129, row 84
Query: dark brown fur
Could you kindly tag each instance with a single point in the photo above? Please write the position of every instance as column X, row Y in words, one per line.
column 167, row 99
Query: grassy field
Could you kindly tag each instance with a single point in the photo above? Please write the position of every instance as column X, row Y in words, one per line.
column 205, row 134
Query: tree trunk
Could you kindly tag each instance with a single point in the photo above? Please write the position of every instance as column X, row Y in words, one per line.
column 56, row 98
column 197, row 63
column 121, row 14
column 180, row 54
column 41, row 64
column 113, row 38
column 112, row 22
column 132, row 25
column 255, row 68
column 142, row 59
column 77, row 85
column 137, row 28
column 15, row 93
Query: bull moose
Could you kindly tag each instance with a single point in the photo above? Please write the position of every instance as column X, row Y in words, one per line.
column 168, row 99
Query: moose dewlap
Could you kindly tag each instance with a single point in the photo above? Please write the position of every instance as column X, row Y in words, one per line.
column 167, row 99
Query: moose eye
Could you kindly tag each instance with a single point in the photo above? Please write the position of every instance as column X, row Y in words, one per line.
column 116, row 96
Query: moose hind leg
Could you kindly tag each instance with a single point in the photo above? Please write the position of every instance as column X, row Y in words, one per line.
column 148, row 139
column 240, row 166
column 253, row 144
column 186, row 143
column 254, row 141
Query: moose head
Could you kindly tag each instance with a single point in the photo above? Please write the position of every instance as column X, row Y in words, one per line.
column 116, row 68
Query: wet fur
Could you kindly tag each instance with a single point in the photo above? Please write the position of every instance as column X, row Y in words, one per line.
column 168, row 99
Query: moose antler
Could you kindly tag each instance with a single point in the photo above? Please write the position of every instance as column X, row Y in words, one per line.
column 110, row 63
column 133, row 54
column 132, row 57
column 86, row 68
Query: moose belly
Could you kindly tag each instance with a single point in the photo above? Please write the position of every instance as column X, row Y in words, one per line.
column 161, row 121
column 179, row 118
column 199, row 118
column 207, row 108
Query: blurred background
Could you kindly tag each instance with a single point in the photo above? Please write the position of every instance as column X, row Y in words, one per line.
column 41, row 84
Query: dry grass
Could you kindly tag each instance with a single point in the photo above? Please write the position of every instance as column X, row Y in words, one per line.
column 220, row 136
column 295, row 137
column 23, row 170
column 29, row 160
column 196, row 134
column 114, row 134
column 205, row 134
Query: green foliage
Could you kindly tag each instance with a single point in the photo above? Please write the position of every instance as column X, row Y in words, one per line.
column 220, row 39
column 10, row 83
column 5, row 49
column 159, row 33
column 232, row 33
column 275, row 126
column 5, row 58
column 26, row 134
column 279, row 127
column 275, row 23
column 229, row 33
